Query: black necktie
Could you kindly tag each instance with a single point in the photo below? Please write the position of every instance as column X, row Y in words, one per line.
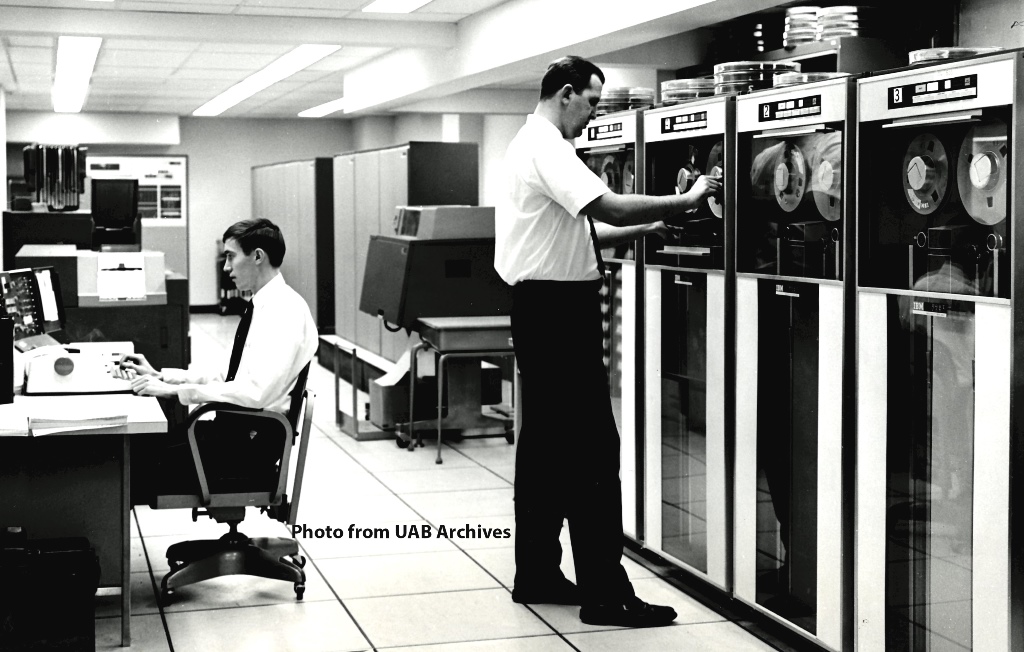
column 240, row 335
column 597, row 247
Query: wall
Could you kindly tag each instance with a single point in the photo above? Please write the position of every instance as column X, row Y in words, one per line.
column 498, row 131
column 221, row 153
column 992, row 22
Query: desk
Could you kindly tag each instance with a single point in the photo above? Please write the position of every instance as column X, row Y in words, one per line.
column 457, row 338
column 76, row 483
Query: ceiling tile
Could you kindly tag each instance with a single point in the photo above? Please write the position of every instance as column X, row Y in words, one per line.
column 231, row 3
column 112, row 58
column 31, row 41
column 143, row 44
column 245, row 48
column 293, row 12
column 32, row 55
column 458, row 6
column 175, row 7
column 32, row 70
column 413, row 17
column 228, row 61
column 126, row 73
column 348, row 5
column 228, row 76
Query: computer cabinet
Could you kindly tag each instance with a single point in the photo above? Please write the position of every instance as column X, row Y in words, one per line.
column 368, row 186
column 298, row 196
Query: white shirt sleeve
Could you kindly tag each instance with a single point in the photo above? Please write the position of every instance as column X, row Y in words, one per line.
column 560, row 174
column 190, row 375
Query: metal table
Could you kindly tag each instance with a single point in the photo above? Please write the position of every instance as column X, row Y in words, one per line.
column 460, row 342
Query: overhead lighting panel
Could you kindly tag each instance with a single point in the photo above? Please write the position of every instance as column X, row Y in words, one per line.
column 326, row 108
column 76, row 57
column 394, row 6
column 298, row 59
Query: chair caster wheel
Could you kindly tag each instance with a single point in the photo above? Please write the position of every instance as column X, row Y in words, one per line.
column 299, row 590
column 401, row 443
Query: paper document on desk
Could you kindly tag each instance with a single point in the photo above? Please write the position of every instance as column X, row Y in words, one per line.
column 70, row 414
column 13, row 421
column 121, row 276
column 41, row 426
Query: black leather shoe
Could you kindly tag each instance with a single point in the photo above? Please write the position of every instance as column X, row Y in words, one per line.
column 634, row 613
column 560, row 592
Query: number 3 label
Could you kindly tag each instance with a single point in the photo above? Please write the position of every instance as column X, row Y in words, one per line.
column 897, row 95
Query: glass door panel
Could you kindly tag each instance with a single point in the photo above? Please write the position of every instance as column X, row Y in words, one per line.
column 684, row 417
column 930, row 480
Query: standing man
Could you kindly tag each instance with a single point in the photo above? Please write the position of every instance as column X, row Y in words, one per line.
column 275, row 340
column 547, row 248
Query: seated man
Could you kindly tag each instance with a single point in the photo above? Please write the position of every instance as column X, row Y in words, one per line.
column 276, row 338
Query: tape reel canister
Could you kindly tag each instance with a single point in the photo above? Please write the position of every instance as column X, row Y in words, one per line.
column 925, row 173
column 716, row 168
column 981, row 172
column 826, row 170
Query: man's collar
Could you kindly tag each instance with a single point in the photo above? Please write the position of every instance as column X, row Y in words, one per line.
column 261, row 294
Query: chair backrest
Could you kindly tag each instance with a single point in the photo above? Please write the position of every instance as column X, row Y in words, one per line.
column 296, row 395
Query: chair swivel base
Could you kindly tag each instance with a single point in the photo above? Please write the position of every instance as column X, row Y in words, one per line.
column 234, row 554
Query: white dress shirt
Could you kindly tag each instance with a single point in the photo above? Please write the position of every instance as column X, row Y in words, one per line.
column 539, row 231
column 281, row 341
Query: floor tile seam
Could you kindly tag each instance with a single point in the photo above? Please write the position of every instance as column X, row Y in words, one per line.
column 481, row 465
column 189, row 609
column 466, row 491
column 475, row 640
column 153, row 585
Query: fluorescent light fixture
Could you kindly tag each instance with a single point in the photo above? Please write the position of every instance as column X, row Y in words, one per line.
column 326, row 108
column 394, row 6
column 284, row 67
column 76, row 56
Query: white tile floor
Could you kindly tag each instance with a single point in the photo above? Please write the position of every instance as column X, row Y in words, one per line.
column 422, row 594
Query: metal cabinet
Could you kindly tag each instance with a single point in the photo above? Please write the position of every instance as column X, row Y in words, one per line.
column 368, row 186
column 298, row 196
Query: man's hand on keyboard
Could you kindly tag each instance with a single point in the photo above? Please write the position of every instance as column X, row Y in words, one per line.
column 136, row 362
column 119, row 372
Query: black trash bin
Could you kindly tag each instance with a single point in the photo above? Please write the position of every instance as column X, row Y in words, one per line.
column 47, row 594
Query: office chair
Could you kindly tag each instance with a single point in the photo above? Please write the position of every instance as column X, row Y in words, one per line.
column 235, row 553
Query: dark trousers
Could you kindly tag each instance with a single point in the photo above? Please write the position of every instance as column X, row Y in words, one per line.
column 238, row 454
column 567, row 459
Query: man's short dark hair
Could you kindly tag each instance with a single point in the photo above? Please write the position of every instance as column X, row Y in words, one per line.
column 258, row 234
column 572, row 70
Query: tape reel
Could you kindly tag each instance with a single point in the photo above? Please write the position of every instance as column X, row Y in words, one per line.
column 925, row 173
column 688, row 173
column 716, row 168
column 790, row 178
column 611, row 174
column 826, row 170
column 627, row 178
column 981, row 172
